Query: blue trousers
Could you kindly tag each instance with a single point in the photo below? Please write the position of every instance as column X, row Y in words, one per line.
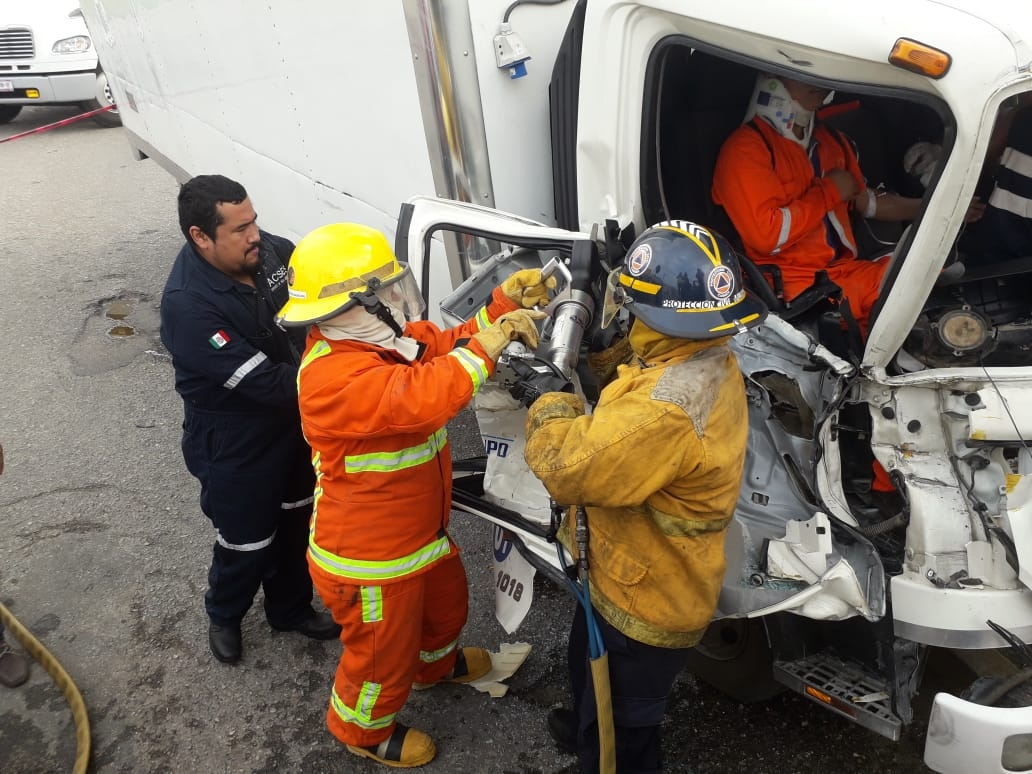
column 256, row 488
column 641, row 677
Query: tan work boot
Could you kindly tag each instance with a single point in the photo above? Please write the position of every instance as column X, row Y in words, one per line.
column 14, row 667
column 405, row 748
column 470, row 664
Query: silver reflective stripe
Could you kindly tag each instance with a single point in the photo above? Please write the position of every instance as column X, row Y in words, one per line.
column 362, row 713
column 837, row 225
column 430, row 656
column 298, row 503
column 390, row 462
column 365, row 571
column 244, row 370
column 1016, row 161
column 243, row 546
column 472, row 365
column 786, row 226
column 483, row 319
column 1011, row 202
column 372, row 604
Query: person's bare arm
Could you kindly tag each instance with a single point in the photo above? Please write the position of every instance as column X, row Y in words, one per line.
column 886, row 206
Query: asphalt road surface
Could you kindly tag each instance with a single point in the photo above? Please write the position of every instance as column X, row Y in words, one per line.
column 104, row 553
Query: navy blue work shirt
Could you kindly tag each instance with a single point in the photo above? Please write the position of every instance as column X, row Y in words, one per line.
column 228, row 353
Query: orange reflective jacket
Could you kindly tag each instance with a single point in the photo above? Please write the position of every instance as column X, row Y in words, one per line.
column 783, row 208
column 376, row 425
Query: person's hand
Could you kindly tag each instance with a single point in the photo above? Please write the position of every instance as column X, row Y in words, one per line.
column 847, row 185
column 527, row 288
column 536, row 377
column 511, row 326
column 975, row 210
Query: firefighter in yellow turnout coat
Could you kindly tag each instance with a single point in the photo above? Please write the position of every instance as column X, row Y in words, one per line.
column 658, row 466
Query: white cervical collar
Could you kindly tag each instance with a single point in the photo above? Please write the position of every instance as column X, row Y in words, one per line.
column 772, row 103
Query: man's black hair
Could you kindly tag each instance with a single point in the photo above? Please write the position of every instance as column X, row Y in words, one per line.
column 198, row 202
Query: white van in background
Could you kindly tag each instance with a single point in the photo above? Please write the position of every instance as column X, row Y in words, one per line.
column 47, row 58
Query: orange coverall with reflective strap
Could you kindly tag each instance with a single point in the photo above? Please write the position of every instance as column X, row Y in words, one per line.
column 379, row 550
column 788, row 214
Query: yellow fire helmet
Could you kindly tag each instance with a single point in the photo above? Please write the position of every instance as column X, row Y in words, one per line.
column 336, row 265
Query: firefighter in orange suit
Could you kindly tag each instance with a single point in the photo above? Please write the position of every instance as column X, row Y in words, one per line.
column 377, row 387
column 788, row 184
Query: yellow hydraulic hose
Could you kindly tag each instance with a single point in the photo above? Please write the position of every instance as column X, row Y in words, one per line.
column 604, row 707
column 35, row 649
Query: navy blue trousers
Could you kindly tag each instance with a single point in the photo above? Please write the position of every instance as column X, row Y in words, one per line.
column 641, row 677
column 256, row 488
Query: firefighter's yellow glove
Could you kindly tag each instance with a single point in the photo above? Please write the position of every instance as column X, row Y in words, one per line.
column 511, row 326
column 527, row 288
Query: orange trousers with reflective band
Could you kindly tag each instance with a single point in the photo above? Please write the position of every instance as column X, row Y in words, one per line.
column 394, row 635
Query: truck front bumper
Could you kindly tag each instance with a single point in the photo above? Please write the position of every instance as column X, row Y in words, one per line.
column 58, row 89
column 964, row 738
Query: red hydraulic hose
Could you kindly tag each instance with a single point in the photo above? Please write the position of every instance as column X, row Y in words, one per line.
column 63, row 122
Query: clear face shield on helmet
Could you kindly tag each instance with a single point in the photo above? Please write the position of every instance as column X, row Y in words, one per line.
column 401, row 295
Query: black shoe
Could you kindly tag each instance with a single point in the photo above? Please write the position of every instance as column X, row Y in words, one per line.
column 318, row 626
column 562, row 727
column 225, row 642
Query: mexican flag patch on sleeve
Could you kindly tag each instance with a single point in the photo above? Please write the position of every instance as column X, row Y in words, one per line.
column 219, row 339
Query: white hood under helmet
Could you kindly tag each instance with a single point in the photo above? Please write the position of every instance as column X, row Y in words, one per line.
column 357, row 324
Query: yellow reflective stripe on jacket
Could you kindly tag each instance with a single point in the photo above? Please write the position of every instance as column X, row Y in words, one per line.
column 362, row 713
column 367, row 571
column 321, row 348
column 391, row 462
column 318, row 491
column 684, row 526
column 430, row 656
column 372, row 604
column 472, row 365
column 483, row 319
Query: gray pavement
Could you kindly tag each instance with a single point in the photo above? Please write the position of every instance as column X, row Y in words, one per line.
column 103, row 551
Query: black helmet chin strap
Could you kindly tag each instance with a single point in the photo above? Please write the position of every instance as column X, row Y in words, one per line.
column 372, row 304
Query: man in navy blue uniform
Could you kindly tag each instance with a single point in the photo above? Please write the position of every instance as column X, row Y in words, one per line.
column 236, row 371
column 1005, row 230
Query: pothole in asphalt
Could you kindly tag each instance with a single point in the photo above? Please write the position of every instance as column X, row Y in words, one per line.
column 116, row 330
column 119, row 309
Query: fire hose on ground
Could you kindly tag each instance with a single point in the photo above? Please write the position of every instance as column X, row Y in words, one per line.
column 56, row 124
column 61, row 679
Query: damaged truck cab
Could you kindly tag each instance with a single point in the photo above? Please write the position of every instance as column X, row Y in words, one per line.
column 831, row 589
column 590, row 120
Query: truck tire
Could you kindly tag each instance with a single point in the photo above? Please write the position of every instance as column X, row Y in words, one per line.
column 735, row 658
column 105, row 97
column 8, row 113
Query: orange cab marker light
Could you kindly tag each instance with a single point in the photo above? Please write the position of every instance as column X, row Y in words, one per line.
column 919, row 58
